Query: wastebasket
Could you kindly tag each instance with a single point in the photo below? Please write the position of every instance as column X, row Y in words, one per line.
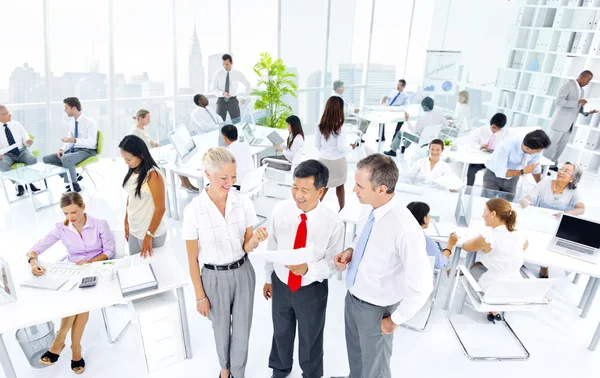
column 35, row 341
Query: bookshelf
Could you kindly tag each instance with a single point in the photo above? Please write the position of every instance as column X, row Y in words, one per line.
column 552, row 41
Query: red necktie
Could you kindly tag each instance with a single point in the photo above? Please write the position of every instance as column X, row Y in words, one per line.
column 294, row 281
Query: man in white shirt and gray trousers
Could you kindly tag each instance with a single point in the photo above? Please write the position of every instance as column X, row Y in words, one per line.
column 224, row 86
column 389, row 276
column 300, row 291
column 569, row 104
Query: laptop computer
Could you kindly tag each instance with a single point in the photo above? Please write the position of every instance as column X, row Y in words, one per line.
column 251, row 139
column 577, row 237
column 183, row 143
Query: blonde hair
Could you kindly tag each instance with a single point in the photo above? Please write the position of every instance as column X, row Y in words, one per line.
column 217, row 158
column 142, row 113
column 70, row 198
column 465, row 94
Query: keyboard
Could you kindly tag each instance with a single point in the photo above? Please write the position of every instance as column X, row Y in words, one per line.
column 575, row 248
column 45, row 282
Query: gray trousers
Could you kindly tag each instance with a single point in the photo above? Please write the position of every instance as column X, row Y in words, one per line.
column 369, row 352
column 306, row 308
column 69, row 160
column 135, row 244
column 9, row 159
column 232, row 107
column 231, row 296
column 559, row 142
column 491, row 182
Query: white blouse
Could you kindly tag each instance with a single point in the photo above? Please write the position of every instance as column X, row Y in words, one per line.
column 505, row 259
column 140, row 210
column 143, row 134
column 334, row 148
column 297, row 144
column 422, row 172
column 461, row 116
column 220, row 238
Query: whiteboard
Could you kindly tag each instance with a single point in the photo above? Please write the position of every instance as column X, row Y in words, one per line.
column 441, row 72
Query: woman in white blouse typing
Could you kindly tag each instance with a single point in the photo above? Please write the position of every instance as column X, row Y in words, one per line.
column 430, row 168
column 560, row 194
column 295, row 142
column 333, row 148
column 462, row 113
column 502, row 247
column 217, row 228
column 142, row 117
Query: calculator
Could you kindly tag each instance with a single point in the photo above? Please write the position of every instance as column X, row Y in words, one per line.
column 88, row 281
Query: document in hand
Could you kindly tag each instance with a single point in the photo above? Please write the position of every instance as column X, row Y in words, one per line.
column 288, row 256
column 449, row 181
column 275, row 138
column 137, row 279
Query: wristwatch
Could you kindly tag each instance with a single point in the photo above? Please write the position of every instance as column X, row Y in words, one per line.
column 522, row 172
column 150, row 234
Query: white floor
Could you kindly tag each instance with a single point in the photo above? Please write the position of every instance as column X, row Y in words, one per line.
column 556, row 337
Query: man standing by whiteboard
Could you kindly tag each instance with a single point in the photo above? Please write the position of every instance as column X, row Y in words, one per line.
column 569, row 104
column 225, row 87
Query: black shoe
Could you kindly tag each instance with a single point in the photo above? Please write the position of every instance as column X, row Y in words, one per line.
column 390, row 153
column 79, row 177
column 362, row 141
column 377, row 140
column 553, row 168
column 402, row 149
column 76, row 187
column 33, row 188
column 499, row 317
column 491, row 318
column 20, row 190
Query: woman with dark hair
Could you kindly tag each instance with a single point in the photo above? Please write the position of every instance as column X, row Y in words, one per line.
column 332, row 146
column 145, row 227
column 294, row 144
column 501, row 244
column 420, row 210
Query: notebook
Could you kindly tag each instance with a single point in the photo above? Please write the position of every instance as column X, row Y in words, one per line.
column 137, row 279
column 275, row 138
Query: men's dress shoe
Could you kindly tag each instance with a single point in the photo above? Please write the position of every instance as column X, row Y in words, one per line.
column 377, row 140
column 33, row 188
column 75, row 186
column 20, row 190
column 390, row 153
column 79, row 177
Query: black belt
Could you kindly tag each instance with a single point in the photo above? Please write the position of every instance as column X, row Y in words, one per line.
column 232, row 266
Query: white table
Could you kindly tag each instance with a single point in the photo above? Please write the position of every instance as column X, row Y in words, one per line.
column 382, row 114
column 35, row 306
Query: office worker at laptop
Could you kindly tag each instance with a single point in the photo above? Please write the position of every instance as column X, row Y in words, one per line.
column 203, row 118
column 515, row 157
column 142, row 117
column 389, row 275
column 501, row 244
column 295, row 142
column 87, row 240
column 14, row 133
column 145, row 226
column 560, row 194
column 225, row 87
column 486, row 138
column 420, row 210
column 240, row 150
column 300, row 291
column 217, row 229
column 80, row 143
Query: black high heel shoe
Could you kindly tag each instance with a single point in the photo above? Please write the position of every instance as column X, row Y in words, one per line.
column 78, row 367
column 491, row 318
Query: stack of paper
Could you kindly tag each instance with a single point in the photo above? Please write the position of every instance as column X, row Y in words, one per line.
column 137, row 279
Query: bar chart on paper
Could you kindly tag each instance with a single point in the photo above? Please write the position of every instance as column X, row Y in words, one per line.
column 66, row 270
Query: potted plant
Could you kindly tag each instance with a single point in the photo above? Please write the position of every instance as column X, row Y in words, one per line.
column 274, row 84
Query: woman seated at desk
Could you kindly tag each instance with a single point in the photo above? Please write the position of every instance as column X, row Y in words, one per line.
column 560, row 194
column 420, row 211
column 294, row 144
column 462, row 113
column 430, row 117
column 502, row 247
column 430, row 168
column 87, row 240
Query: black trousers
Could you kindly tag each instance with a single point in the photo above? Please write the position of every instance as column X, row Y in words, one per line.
column 472, row 171
column 398, row 127
column 232, row 107
column 306, row 307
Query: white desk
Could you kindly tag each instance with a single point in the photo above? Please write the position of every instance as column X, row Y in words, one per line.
column 35, row 306
column 382, row 114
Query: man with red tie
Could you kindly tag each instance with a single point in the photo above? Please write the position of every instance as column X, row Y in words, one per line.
column 299, row 292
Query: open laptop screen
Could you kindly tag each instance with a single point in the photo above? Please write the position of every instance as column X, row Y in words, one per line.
column 579, row 230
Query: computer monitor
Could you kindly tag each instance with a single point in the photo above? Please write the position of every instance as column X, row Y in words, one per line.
column 183, row 143
column 248, row 133
column 579, row 230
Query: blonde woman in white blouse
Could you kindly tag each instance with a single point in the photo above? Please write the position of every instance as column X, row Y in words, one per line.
column 217, row 229
column 143, row 119
column 430, row 168
column 294, row 144
column 462, row 113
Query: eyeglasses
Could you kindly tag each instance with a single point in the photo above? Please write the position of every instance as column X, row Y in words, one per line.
column 565, row 170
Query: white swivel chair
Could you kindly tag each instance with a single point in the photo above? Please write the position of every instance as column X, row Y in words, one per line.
column 252, row 185
column 501, row 296
column 436, row 284
column 422, row 140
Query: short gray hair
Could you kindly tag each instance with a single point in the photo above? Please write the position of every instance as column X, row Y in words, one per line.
column 3, row 107
column 337, row 84
column 577, row 173
column 217, row 158
column 382, row 171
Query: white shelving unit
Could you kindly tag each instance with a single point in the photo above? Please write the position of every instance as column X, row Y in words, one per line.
column 551, row 42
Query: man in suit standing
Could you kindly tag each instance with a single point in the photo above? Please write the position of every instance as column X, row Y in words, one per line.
column 225, row 87
column 569, row 104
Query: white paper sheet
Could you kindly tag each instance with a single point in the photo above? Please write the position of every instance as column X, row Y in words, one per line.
column 288, row 256
column 449, row 181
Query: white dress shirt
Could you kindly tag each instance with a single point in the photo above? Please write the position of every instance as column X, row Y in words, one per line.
column 18, row 132
column 334, row 148
column 461, row 116
column 87, row 133
column 220, row 239
column 395, row 266
column 325, row 233
column 505, row 259
column 402, row 100
column 235, row 77
column 426, row 119
column 422, row 172
column 201, row 118
column 297, row 144
column 481, row 135
column 243, row 159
